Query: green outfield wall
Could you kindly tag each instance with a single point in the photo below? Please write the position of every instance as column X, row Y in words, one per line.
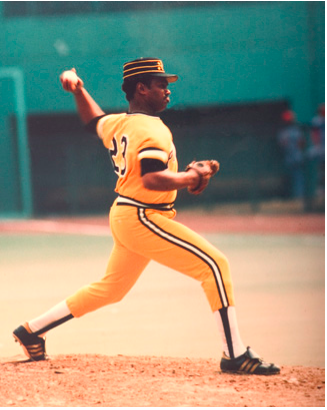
column 227, row 54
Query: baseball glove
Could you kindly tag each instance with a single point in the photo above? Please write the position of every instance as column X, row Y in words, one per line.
column 205, row 170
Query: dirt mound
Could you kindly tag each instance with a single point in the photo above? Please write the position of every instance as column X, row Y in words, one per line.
column 122, row 381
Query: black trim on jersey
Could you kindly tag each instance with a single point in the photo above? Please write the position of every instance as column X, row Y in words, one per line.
column 191, row 248
column 228, row 334
column 151, row 165
column 150, row 149
column 92, row 125
column 142, row 113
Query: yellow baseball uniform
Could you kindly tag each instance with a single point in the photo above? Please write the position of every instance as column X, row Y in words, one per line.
column 142, row 220
column 142, row 224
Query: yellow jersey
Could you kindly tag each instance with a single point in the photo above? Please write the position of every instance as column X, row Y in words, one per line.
column 131, row 138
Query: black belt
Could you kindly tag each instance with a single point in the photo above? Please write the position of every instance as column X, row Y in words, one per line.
column 123, row 200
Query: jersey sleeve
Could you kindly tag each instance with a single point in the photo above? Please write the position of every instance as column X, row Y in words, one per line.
column 153, row 153
column 152, row 165
column 92, row 125
column 102, row 125
column 152, row 159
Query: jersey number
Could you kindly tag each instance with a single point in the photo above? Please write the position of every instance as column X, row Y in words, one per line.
column 118, row 155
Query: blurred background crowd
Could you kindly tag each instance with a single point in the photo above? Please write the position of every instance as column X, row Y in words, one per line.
column 303, row 150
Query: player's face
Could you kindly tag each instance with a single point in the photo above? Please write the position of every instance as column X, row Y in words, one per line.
column 158, row 94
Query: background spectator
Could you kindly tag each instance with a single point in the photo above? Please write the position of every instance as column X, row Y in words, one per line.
column 291, row 138
column 316, row 151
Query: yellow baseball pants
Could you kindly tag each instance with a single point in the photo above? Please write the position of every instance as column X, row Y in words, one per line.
column 141, row 235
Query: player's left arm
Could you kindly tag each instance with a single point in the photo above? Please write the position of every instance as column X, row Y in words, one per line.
column 195, row 177
column 155, row 172
column 167, row 180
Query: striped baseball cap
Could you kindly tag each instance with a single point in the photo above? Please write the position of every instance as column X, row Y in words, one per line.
column 152, row 66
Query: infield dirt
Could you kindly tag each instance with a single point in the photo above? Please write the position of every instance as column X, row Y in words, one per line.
column 123, row 381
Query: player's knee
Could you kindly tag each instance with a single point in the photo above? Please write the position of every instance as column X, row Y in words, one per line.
column 223, row 263
column 117, row 297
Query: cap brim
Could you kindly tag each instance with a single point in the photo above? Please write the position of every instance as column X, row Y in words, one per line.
column 171, row 78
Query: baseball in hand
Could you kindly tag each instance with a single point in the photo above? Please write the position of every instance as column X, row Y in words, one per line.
column 70, row 81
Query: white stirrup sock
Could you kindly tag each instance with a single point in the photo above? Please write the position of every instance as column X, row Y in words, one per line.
column 228, row 329
column 57, row 314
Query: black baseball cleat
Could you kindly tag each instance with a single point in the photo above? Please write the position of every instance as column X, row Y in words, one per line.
column 33, row 345
column 248, row 363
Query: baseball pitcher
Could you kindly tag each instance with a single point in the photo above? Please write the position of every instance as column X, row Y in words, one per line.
column 142, row 216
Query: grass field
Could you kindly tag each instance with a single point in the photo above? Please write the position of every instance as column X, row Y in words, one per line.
column 279, row 284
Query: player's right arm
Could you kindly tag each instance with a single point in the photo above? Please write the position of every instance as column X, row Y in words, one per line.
column 87, row 108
